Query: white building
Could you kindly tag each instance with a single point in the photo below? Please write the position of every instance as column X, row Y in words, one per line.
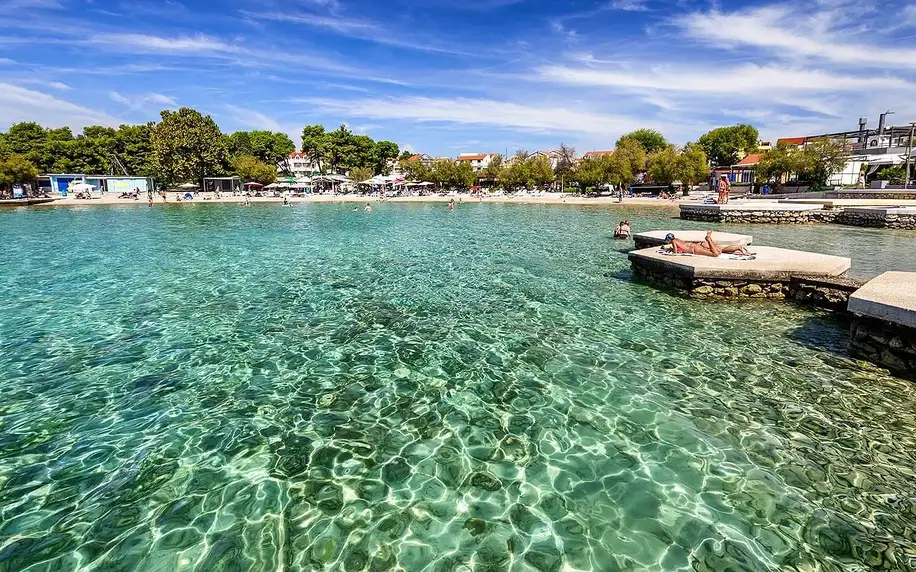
column 478, row 161
column 301, row 165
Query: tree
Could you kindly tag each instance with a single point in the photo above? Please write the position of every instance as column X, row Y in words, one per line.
column 669, row 165
column 778, row 161
column 359, row 174
column 493, row 171
column 385, row 152
column 251, row 169
column 405, row 154
column 694, row 166
column 416, row 170
column 15, row 170
column 822, row 158
column 566, row 164
column 896, row 175
column 133, row 146
column 629, row 158
column 268, row 147
column 649, row 139
column 723, row 145
column 187, row 146
column 463, row 175
column 663, row 166
column 315, row 144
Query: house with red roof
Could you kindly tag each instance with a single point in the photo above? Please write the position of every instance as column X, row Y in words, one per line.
column 478, row 161
column 596, row 154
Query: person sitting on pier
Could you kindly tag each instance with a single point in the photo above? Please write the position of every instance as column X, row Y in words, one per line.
column 706, row 248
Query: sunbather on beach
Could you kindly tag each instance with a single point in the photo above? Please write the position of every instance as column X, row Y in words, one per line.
column 706, row 248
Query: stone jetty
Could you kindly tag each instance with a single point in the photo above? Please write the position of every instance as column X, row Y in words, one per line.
column 884, row 322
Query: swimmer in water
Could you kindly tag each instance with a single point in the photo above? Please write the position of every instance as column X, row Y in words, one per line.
column 451, row 205
column 368, row 208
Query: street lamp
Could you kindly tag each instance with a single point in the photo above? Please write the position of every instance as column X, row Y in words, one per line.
column 909, row 153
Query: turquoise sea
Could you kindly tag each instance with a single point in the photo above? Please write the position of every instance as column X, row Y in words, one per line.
column 220, row 387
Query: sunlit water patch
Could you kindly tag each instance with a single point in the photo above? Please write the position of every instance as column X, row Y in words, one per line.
column 310, row 388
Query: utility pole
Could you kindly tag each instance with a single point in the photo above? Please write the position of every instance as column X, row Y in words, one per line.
column 909, row 153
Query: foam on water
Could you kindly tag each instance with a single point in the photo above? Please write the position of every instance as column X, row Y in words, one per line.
column 256, row 388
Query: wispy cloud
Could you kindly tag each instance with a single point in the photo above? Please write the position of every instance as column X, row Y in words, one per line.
column 797, row 30
column 745, row 79
column 59, row 85
column 140, row 102
column 253, row 119
column 477, row 112
column 629, row 5
column 20, row 104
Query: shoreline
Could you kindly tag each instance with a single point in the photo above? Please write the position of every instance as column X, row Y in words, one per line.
column 341, row 199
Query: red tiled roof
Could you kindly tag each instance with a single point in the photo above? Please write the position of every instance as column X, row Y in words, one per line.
column 418, row 157
column 589, row 154
column 298, row 155
column 791, row 140
column 751, row 159
column 472, row 157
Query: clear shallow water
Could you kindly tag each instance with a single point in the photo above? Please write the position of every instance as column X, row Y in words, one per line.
column 306, row 388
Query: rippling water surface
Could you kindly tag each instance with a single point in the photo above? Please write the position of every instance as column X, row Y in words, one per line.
column 310, row 388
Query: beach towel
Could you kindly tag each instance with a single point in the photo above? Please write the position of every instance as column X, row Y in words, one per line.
column 721, row 256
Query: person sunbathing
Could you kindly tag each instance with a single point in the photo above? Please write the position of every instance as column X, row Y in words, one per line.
column 706, row 248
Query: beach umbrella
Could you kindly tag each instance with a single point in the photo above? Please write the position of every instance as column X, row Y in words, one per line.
column 187, row 186
column 253, row 185
column 273, row 186
column 80, row 187
column 287, row 180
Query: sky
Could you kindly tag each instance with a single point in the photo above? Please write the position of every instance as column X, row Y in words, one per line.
column 450, row 76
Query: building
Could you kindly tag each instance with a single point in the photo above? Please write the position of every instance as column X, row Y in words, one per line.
column 420, row 157
column 478, row 161
column 302, row 165
column 60, row 183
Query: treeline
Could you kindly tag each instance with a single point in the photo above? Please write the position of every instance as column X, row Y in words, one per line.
column 184, row 146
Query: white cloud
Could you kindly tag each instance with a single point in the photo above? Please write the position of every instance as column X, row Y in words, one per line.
column 629, row 5
column 748, row 79
column 59, row 85
column 21, row 104
column 479, row 112
column 253, row 119
column 787, row 30
column 139, row 102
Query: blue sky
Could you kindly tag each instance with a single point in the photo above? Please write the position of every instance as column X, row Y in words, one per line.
column 444, row 76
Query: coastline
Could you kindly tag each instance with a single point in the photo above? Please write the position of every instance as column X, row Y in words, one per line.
column 535, row 200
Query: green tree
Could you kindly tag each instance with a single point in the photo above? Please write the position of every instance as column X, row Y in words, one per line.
column 133, row 147
column 663, row 166
column 360, row 174
column 415, row 170
column 385, row 152
column 494, row 170
column 724, row 145
column 187, row 146
column 405, row 154
column 694, row 166
column 464, row 175
column 269, row 147
column 822, row 158
column 896, row 175
column 777, row 162
column 539, row 171
column 15, row 170
column 687, row 166
column 649, row 139
column 315, row 144
column 628, row 159
column 252, row 169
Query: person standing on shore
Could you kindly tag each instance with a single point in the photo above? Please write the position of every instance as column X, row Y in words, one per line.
column 724, row 187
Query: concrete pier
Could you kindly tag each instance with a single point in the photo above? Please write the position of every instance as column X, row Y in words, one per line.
column 767, row 276
column 884, row 322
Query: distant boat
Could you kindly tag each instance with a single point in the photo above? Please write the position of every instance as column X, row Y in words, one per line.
column 26, row 201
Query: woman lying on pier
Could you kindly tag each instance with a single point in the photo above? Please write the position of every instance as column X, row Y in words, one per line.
column 706, row 248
